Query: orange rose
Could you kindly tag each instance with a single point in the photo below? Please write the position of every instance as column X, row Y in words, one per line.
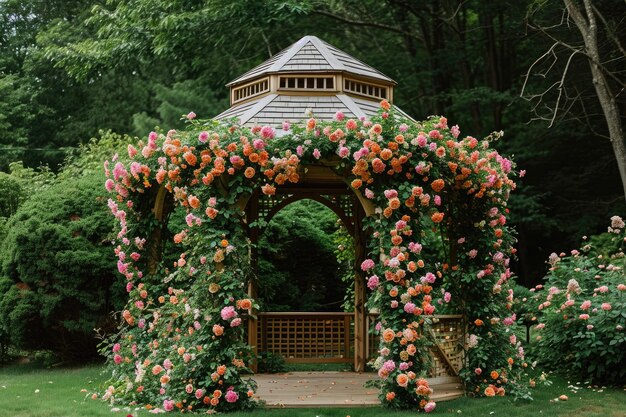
column 489, row 391
column 249, row 172
column 218, row 330
column 190, row 158
column 402, row 380
column 194, row 202
column 437, row 185
column 437, row 217
column 478, row 322
column 390, row 396
column 388, row 335
column 494, row 374
column 385, row 154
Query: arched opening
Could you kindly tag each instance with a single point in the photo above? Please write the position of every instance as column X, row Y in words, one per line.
column 298, row 270
column 304, row 338
column 305, row 293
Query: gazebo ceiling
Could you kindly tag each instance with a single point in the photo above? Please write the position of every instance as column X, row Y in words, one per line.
column 309, row 78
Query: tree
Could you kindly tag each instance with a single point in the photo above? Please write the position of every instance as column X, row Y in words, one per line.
column 598, row 41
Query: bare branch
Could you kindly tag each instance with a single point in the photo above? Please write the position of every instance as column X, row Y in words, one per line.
column 548, row 52
column 560, row 87
column 267, row 44
column 593, row 59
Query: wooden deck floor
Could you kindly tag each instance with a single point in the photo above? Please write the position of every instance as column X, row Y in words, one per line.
column 334, row 389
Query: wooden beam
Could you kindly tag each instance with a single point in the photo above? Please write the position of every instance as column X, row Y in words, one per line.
column 252, row 214
column 360, row 297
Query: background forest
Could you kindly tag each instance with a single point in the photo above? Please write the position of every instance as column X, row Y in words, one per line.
column 72, row 70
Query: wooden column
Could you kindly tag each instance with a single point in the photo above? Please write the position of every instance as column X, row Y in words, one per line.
column 360, row 297
column 252, row 215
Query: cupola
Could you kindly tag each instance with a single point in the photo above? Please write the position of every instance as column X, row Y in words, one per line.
column 309, row 78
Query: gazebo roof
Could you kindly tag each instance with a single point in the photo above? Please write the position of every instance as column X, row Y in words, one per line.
column 311, row 54
column 273, row 109
column 308, row 79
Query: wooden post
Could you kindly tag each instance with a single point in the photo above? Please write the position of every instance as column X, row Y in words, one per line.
column 346, row 336
column 252, row 214
column 360, row 313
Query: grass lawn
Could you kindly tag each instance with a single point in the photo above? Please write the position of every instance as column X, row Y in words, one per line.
column 29, row 392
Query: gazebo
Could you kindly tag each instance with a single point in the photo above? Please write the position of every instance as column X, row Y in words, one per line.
column 426, row 211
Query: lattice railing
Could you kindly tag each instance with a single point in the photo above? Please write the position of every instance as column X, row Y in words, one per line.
column 448, row 333
column 307, row 337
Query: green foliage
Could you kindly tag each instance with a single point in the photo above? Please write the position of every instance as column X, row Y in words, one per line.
column 297, row 267
column 55, row 271
column 175, row 101
column 56, row 274
column 270, row 363
column 11, row 195
column 583, row 311
column 345, row 255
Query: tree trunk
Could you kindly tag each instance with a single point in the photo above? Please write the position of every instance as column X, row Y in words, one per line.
column 587, row 25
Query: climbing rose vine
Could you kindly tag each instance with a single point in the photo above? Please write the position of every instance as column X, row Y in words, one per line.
column 438, row 214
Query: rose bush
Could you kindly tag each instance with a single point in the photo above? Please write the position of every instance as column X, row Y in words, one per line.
column 439, row 237
column 582, row 310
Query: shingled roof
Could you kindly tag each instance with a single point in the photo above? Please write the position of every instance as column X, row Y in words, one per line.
column 311, row 54
column 309, row 78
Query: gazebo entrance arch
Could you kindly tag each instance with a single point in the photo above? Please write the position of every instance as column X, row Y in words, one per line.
column 305, row 337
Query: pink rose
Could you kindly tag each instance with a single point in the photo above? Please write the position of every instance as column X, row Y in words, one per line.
column 168, row 405
column 231, row 396
column 367, row 265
